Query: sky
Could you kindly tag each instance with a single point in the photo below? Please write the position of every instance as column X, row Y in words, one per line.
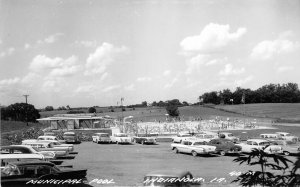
column 85, row 53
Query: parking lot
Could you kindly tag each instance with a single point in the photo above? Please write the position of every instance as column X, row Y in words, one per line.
column 126, row 165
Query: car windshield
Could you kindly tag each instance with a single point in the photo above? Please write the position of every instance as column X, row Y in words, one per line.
column 264, row 143
column 185, row 135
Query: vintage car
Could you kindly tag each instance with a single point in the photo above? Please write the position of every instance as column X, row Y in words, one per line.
column 144, row 139
column 181, row 137
column 229, row 136
column 7, row 158
column 225, row 146
column 20, row 173
column 121, row 138
column 174, row 178
column 288, row 136
column 206, row 135
column 25, row 149
column 55, row 143
column 50, row 138
column 270, row 136
column 101, row 138
column 289, row 147
column 260, row 144
column 60, row 152
column 194, row 147
column 71, row 137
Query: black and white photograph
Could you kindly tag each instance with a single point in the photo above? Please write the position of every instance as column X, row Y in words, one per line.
column 169, row 93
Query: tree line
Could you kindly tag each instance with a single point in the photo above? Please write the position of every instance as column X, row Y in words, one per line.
column 271, row 93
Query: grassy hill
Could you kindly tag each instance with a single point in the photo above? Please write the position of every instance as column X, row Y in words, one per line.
column 282, row 112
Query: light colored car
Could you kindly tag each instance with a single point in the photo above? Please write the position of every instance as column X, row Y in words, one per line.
column 101, row 138
column 229, row 136
column 48, row 146
column 50, row 138
column 181, row 137
column 270, row 136
column 7, row 158
column 288, row 136
column 194, row 147
column 121, row 138
column 55, row 143
column 289, row 147
column 207, row 135
column 260, row 144
column 26, row 149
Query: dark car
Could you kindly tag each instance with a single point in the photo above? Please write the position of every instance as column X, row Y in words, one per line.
column 22, row 172
column 71, row 137
column 144, row 139
column 224, row 146
column 174, row 178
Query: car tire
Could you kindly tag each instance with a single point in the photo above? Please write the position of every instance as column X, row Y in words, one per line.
column 286, row 153
column 176, row 150
column 134, row 140
column 194, row 153
column 222, row 153
column 117, row 142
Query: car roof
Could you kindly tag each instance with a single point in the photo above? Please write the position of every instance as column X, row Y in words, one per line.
column 32, row 162
column 101, row 133
column 168, row 173
column 21, row 156
column 14, row 146
column 69, row 133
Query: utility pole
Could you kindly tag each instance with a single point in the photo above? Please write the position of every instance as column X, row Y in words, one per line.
column 25, row 109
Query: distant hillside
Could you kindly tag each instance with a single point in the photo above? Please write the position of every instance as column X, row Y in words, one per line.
column 282, row 112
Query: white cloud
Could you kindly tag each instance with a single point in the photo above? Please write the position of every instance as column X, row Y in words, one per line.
column 50, row 39
column 284, row 69
column 104, row 76
column 8, row 82
column 167, row 73
column 110, row 88
column 27, row 46
column 7, row 52
column 171, row 84
column 130, row 87
column 86, row 43
column 104, row 55
column 212, row 38
column 199, row 62
column 243, row 81
column 85, row 89
column 56, row 67
column 229, row 70
column 143, row 79
column 268, row 49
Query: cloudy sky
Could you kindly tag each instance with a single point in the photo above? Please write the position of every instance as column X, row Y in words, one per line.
column 86, row 53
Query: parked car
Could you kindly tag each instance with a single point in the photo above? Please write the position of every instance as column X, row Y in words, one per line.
column 229, row 136
column 289, row 147
column 194, row 147
column 71, row 137
column 270, row 136
column 50, row 138
column 7, row 158
column 121, row 138
column 55, row 143
column 101, row 138
column 181, row 137
column 260, row 144
column 288, row 136
column 19, row 173
column 172, row 178
column 60, row 152
column 144, row 139
column 207, row 135
column 225, row 146
column 25, row 149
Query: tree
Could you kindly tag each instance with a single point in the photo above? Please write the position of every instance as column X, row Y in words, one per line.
column 49, row 108
column 263, row 177
column 21, row 112
column 144, row 103
column 92, row 110
column 172, row 110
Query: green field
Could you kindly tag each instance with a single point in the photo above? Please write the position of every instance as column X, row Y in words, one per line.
column 283, row 112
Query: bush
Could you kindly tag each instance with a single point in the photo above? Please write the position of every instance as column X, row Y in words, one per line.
column 92, row 110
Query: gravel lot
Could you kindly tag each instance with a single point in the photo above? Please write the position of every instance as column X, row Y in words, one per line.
column 126, row 165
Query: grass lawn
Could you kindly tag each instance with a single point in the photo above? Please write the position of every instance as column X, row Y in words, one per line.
column 284, row 112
